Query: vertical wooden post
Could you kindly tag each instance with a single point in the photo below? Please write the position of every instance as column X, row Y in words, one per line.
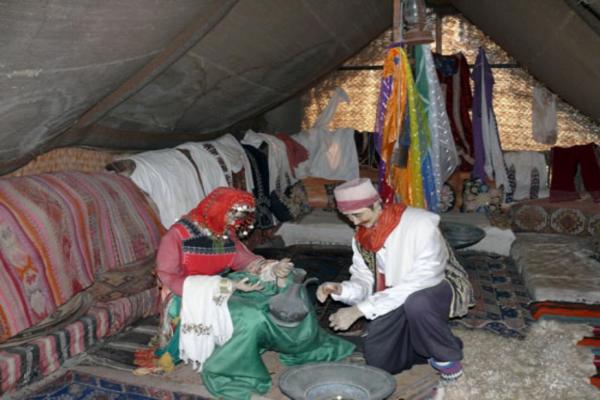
column 397, row 29
column 438, row 33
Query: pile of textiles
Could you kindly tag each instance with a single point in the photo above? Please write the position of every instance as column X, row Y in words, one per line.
column 75, row 253
column 578, row 313
column 59, row 232
column 572, row 312
column 176, row 179
column 593, row 342
column 22, row 364
column 558, row 268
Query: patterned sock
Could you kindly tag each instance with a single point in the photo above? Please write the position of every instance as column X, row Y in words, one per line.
column 449, row 370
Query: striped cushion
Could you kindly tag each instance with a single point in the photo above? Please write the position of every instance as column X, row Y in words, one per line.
column 25, row 364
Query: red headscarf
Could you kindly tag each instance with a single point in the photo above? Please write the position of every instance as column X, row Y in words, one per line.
column 211, row 212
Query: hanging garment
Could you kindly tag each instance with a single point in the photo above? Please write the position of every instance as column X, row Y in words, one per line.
column 233, row 151
column 392, row 135
column 527, row 175
column 453, row 73
column 170, row 180
column 564, row 168
column 332, row 154
column 488, row 153
column 443, row 149
column 211, row 174
column 543, row 116
column 401, row 132
column 280, row 175
column 260, row 173
column 295, row 151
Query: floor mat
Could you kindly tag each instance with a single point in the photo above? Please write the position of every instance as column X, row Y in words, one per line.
column 500, row 295
column 78, row 386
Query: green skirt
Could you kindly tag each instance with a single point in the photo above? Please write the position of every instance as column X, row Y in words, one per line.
column 236, row 370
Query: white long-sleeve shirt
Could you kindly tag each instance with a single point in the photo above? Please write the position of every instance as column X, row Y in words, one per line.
column 412, row 258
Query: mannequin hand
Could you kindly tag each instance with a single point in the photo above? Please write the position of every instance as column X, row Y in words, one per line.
column 328, row 288
column 256, row 266
column 283, row 268
column 245, row 286
column 344, row 318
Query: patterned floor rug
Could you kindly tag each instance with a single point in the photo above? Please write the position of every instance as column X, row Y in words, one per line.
column 78, row 386
column 500, row 295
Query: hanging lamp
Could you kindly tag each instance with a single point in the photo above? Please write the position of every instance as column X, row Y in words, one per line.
column 414, row 15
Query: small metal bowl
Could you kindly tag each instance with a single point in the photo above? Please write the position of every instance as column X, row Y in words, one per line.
column 336, row 381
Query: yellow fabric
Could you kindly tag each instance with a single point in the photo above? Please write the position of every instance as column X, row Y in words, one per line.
column 166, row 362
column 396, row 103
column 414, row 161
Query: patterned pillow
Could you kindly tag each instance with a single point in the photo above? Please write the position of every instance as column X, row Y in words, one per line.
column 292, row 204
column 447, row 198
column 320, row 191
column 480, row 197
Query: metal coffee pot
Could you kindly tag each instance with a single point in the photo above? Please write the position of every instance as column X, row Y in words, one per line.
column 290, row 307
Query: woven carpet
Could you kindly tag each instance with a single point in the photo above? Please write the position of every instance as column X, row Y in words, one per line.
column 78, row 386
column 500, row 295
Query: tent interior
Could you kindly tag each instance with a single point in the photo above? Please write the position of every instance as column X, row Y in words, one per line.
column 119, row 117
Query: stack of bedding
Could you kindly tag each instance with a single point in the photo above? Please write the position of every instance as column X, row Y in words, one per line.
column 558, row 268
column 319, row 227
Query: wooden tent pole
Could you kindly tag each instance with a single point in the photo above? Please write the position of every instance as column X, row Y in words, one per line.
column 397, row 30
column 438, row 33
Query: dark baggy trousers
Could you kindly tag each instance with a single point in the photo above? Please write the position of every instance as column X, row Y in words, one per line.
column 414, row 332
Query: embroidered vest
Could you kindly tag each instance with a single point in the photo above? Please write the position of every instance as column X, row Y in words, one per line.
column 203, row 255
column 370, row 259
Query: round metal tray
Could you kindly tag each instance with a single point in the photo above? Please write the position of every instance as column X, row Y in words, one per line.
column 461, row 235
column 336, row 381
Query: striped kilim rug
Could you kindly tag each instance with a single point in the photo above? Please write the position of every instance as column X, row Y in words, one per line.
column 118, row 352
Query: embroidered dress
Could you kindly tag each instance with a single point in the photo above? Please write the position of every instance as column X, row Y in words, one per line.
column 453, row 72
column 260, row 174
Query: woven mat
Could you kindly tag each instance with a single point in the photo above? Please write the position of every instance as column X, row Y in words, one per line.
column 501, row 297
column 75, row 385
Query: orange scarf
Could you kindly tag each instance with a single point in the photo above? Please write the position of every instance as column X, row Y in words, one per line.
column 372, row 239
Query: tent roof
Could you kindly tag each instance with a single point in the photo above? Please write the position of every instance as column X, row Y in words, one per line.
column 145, row 74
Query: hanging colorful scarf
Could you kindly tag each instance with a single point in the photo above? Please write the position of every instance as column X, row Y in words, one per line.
column 372, row 239
column 390, row 115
